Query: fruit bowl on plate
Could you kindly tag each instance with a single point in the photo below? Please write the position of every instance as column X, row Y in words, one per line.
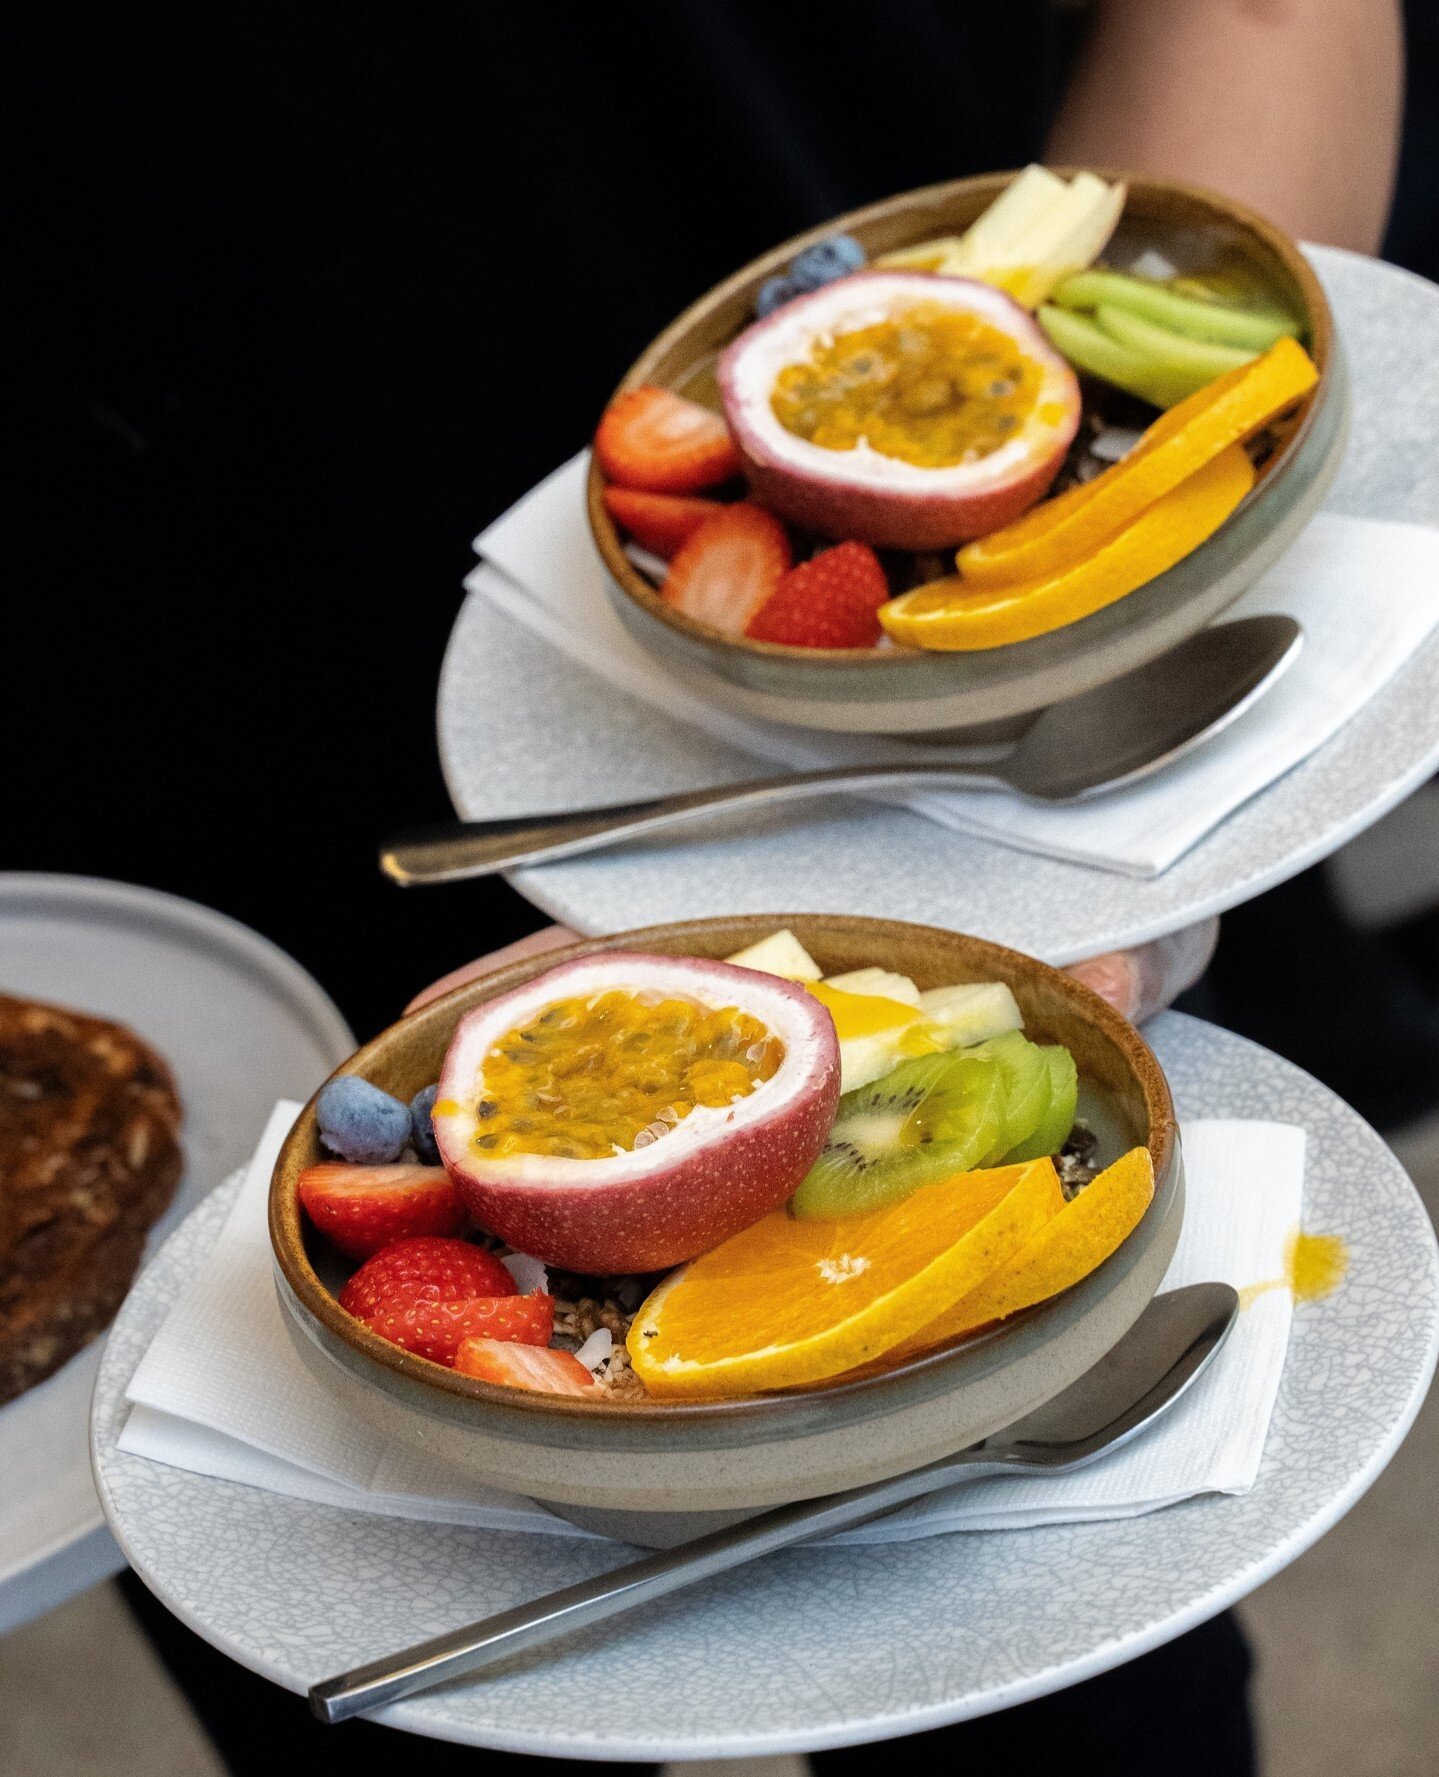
column 782, row 480
column 931, row 1173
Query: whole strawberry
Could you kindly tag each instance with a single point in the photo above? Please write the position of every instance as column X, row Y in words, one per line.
column 432, row 1270
column 831, row 601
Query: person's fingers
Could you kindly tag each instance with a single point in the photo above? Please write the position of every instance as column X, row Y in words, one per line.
column 1145, row 979
column 1113, row 976
column 547, row 938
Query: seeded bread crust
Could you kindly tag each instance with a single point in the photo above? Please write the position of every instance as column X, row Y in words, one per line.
column 89, row 1158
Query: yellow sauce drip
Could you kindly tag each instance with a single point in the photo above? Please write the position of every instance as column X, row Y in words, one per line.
column 930, row 385
column 586, row 1077
column 1314, row 1267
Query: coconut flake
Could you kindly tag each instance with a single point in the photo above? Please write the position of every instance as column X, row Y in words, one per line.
column 1151, row 263
column 653, row 567
column 597, row 1350
column 1115, row 442
column 529, row 1274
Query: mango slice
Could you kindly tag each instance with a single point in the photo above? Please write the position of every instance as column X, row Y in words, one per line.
column 1225, row 412
column 951, row 615
column 1066, row 1249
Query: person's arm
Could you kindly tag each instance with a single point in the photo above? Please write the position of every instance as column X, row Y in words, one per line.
column 1291, row 106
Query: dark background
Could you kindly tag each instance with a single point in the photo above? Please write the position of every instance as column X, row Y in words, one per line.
column 306, row 296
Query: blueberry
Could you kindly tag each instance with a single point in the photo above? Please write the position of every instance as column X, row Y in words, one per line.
column 422, row 1130
column 774, row 293
column 825, row 261
column 361, row 1123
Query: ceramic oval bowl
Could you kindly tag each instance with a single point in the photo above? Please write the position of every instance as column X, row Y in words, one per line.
column 644, row 1470
column 904, row 691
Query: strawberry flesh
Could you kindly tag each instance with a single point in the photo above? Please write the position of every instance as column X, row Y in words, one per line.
column 437, row 1330
column 524, row 1366
column 653, row 439
column 658, row 522
column 729, row 568
column 831, row 601
column 428, row 1269
column 361, row 1209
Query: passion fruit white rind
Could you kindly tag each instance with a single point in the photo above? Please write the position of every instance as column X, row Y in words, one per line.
column 716, row 1171
column 861, row 493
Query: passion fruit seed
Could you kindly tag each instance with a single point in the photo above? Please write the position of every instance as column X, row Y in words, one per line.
column 928, row 385
column 587, row 1077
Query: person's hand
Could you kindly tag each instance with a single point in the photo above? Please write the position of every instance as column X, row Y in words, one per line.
column 1138, row 982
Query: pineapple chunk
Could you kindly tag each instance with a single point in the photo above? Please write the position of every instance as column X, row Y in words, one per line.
column 1018, row 210
column 1022, row 203
column 779, row 954
column 925, row 256
column 1069, row 236
column 863, row 1059
column 883, row 983
column 972, row 1012
column 1036, row 233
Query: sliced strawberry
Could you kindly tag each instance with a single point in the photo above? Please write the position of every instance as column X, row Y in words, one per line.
column 436, row 1330
column 660, row 522
column 433, row 1270
column 363, row 1208
column 729, row 567
column 652, row 438
column 524, row 1366
column 831, row 601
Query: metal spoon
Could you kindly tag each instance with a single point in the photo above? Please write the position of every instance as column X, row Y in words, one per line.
column 1097, row 741
column 1171, row 1343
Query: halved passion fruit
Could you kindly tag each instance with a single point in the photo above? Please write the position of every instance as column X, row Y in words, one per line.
column 899, row 408
column 625, row 1112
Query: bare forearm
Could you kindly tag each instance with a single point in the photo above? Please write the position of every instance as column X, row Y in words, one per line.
column 1290, row 106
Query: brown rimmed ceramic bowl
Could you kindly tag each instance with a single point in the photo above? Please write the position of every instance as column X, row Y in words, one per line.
column 656, row 1472
column 990, row 694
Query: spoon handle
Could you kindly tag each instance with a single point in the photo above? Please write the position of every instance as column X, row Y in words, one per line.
column 459, row 849
column 530, row 1625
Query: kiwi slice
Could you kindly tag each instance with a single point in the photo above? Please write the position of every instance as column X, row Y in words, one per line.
column 1052, row 1130
column 1024, row 1074
column 1207, row 318
column 924, row 1121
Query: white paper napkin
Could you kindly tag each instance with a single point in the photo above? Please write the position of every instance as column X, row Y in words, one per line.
column 221, row 1391
column 1365, row 590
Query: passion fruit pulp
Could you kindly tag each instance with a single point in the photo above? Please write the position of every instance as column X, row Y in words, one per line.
column 929, row 385
column 587, row 1078
column 625, row 1112
column 901, row 409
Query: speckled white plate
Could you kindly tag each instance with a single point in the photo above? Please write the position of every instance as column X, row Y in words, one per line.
column 242, row 1025
column 817, row 1647
column 504, row 696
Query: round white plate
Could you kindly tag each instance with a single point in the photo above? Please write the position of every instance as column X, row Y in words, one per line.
column 816, row 1648
column 515, row 711
column 242, row 1025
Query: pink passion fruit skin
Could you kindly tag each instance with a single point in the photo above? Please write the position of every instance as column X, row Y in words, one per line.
column 717, row 1171
column 859, row 493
